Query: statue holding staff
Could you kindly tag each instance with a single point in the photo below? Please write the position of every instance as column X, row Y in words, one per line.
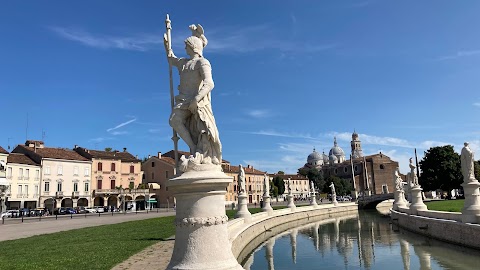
column 192, row 116
column 266, row 185
column 466, row 159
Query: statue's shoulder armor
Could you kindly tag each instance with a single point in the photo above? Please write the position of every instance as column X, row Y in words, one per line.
column 203, row 62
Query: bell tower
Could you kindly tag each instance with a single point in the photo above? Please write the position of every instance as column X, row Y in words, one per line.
column 356, row 146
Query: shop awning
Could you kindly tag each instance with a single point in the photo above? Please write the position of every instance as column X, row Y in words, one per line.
column 153, row 185
column 152, row 201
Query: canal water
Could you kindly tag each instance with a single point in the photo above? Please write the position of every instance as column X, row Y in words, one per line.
column 366, row 240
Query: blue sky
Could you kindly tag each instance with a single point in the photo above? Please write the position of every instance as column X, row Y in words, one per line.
column 289, row 75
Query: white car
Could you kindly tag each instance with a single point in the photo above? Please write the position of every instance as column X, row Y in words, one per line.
column 100, row 209
column 9, row 214
column 90, row 210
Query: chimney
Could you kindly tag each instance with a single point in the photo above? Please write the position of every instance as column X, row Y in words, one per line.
column 75, row 146
column 159, row 155
column 124, row 149
column 148, row 156
column 136, row 156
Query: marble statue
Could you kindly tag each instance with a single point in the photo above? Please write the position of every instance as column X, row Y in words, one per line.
column 192, row 116
column 241, row 180
column 289, row 187
column 467, row 160
column 312, row 187
column 332, row 187
column 398, row 181
column 266, row 185
column 413, row 173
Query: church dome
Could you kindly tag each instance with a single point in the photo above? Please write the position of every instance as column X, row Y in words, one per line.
column 336, row 150
column 314, row 156
column 325, row 158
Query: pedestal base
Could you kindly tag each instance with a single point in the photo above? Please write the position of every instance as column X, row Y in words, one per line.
column 291, row 204
column 243, row 208
column 399, row 200
column 313, row 200
column 201, row 234
column 417, row 201
column 334, row 201
column 471, row 209
column 266, row 205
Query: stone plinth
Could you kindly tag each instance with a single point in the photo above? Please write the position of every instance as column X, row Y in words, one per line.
column 334, row 200
column 399, row 199
column 313, row 199
column 471, row 209
column 291, row 204
column 417, row 201
column 201, row 237
column 266, row 204
column 242, row 211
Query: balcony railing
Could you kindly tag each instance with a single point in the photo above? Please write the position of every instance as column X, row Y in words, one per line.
column 107, row 191
column 76, row 194
column 19, row 196
column 59, row 194
column 46, row 193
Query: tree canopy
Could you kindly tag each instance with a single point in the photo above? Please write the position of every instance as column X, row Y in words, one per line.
column 441, row 169
column 313, row 175
column 342, row 186
column 279, row 184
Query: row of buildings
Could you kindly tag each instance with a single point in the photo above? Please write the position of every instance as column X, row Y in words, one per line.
column 40, row 176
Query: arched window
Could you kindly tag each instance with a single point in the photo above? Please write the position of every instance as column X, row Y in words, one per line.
column 99, row 167
column 345, row 169
column 112, row 167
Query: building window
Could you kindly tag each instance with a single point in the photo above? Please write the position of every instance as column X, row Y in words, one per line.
column 60, row 170
column 345, row 169
column 9, row 172
column 384, row 189
column 27, row 173
column 382, row 167
column 86, row 171
column 37, row 174
column 336, row 171
column 19, row 189
column 35, row 192
column 99, row 166
column 86, row 187
column 355, row 168
column 112, row 167
column 153, row 164
column 47, row 170
column 75, row 170
column 99, row 183
column 47, row 187
column 26, row 190
column 20, row 172
column 59, row 186
column 112, row 184
column 132, row 169
column 75, row 187
column 235, row 188
column 132, row 185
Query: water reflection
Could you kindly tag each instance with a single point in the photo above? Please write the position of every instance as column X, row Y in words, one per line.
column 361, row 241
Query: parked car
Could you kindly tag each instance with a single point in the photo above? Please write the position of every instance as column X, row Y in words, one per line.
column 100, row 209
column 25, row 212
column 6, row 215
column 60, row 211
column 14, row 213
column 90, row 210
column 80, row 210
column 70, row 210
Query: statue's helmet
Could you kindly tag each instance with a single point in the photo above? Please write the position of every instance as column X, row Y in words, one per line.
column 196, row 44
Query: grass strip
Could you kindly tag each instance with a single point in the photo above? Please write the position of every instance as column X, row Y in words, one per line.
column 447, row 205
column 100, row 247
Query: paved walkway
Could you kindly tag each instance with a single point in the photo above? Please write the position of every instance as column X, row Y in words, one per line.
column 13, row 229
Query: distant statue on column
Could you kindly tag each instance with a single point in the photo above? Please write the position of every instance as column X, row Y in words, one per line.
column 241, row 180
column 467, row 162
column 266, row 185
column 413, row 173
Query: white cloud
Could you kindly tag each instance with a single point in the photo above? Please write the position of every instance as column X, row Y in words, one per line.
column 115, row 133
column 280, row 134
column 99, row 139
column 259, row 113
column 138, row 42
column 122, row 125
column 476, row 104
column 459, row 54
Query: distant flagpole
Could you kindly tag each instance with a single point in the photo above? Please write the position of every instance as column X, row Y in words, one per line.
column 416, row 162
column 168, row 36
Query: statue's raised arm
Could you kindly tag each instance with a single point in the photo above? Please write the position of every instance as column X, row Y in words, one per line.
column 192, row 115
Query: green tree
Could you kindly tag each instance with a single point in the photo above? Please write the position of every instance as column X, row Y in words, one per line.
column 279, row 184
column 313, row 175
column 108, row 149
column 477, row 169
column 342, row 186
column 441, row 169
column 281, row 172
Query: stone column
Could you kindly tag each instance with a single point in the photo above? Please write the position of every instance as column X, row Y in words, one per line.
column 293, row 243
column 417, row 201
column 242, row 207
column 471, row 209
column 334, row 199
column 399, row 200
column 266, row 204
column 405, row 251
column 201, row 237
column 316, row 236
column 291, row 204
column 423, row 257
column 313, row 199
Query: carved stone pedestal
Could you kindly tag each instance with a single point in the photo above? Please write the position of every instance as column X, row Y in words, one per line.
column 243, row 208
column 291, row 204
column 313, row 199
column 266, row 205
column 201, row 237
column 334, row 200
column 417, row 201
column 399, row 199
column 471, row 209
